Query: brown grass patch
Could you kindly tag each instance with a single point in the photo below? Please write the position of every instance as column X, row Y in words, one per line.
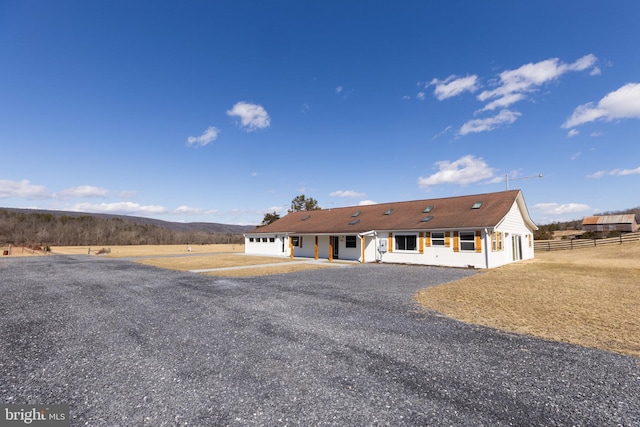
column 211, row 261
column 589, row 297
column 126, row 251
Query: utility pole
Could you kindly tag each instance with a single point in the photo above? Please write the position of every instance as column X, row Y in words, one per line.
column 506, row 178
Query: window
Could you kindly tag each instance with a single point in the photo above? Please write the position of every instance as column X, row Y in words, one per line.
column 306, row 217
column 264, row 239
column 467, row 241
column 426, row 219
column 351, row 242
column 428, row 209
column 476, row 205
column 295, row 241
column 272, row 239
column 356, row 214
column 354, row 222
column 437, row 239
column 497, row 241
column 406, row 242
column 251, row 239
column 389, row 212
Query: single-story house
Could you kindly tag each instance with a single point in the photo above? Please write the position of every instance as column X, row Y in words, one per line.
column 480, row 231
column 624, row 223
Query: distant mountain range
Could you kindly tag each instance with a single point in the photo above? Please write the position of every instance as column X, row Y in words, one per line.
column 208, row 227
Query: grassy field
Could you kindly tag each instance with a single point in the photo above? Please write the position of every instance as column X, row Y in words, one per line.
column 589, row 297
column 146, row 250
column 251, row 265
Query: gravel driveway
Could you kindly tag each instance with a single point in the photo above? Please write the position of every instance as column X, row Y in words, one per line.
column 129, row 345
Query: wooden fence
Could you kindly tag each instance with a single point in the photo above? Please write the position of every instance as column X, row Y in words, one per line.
column 557, row 245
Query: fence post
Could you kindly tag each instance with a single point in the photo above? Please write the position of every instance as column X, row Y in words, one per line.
column 595, row 242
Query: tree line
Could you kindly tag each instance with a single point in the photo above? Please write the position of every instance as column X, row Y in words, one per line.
column 46, row 229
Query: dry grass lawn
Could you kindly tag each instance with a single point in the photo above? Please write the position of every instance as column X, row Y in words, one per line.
column 589, row 297
column 210, row 261
column 146, row 250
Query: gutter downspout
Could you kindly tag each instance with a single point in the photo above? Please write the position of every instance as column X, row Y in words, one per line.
column 487, row 247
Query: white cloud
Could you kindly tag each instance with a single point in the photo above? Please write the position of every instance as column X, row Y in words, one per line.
column 453, row 86
column 575, row 155
column 514, row 84
column 252, row 116
column 616, row 172
column 208, row 136
column 465, row 170
column 444, row 131
column 346, row 193
column 623, row 103
column 561, row 209
column 572, row 133
column 22, row 189
column 122, row 208
column 504, row 101
column 186, row 210
column 339, row 89
column 367, row 202
column 421, row 96
column 82, row 191
column 504, row 117
column 598, row 174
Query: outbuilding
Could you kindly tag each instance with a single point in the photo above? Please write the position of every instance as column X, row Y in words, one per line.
column 480, row 231
column 604, row 223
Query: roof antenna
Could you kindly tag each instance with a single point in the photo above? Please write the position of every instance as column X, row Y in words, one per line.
column 506, row 178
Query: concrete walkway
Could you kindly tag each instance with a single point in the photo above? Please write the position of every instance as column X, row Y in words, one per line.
column 276, row 264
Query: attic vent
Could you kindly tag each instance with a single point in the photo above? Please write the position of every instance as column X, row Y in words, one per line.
column 305, row 218
column 356, row 214
column 426, row 219
column 389, row 212
column 428, row 209
column 476, row 205
column 354, row 222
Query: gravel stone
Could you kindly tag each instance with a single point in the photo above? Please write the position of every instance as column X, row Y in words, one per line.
column 126, row 344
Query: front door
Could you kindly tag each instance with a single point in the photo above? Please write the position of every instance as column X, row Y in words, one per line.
column 516, row 242
column 336, row 243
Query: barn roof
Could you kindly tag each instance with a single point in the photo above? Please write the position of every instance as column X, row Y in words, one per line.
column 609, row 219
column 472, row 211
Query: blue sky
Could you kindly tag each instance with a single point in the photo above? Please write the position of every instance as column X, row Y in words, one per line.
column 223, row 111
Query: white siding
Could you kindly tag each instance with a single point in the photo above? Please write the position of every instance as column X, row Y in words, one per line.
column 435, row 255
column 259, row 247
column 514, row 229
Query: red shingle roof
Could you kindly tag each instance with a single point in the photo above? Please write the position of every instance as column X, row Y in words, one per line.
column 447, row 213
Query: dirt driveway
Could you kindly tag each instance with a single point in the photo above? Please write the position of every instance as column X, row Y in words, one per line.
column 126, row 344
